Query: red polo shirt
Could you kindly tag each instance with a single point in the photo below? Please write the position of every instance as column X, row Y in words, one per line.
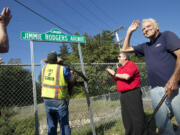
column 131, row 69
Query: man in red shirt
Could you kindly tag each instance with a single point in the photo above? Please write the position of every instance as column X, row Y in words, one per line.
column 128, row 82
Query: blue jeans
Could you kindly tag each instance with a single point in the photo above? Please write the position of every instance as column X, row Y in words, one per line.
column 57, row 111
column 169, row 108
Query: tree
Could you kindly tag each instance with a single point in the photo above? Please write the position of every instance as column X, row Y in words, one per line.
column 15, row 86
column 97, row 49
column 63, row 50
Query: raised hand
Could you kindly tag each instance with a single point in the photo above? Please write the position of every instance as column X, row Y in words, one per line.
column 5, row 17
column 134, row 26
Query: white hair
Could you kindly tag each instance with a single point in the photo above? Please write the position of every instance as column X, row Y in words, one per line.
column 152, row 20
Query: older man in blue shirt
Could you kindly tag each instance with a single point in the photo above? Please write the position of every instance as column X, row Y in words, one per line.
column 162, row 55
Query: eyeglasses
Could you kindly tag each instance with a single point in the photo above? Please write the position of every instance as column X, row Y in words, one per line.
column 121, row 56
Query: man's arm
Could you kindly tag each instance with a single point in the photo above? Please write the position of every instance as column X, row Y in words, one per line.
column 73, row 79
column 69, row 76
column 0, row 60
column 120, row 76
column 4, row 21
column 172, row 84
column 126, row 46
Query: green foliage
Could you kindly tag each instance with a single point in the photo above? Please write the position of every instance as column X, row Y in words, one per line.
column 143, row 74
column 136, row 59
column 99, row 48
column 100, row 81
column 24, row 127
column 114, row 127
column 9, row 126
column 15, row 86
column 64, row 51
column 5, row 125
column 38, row 91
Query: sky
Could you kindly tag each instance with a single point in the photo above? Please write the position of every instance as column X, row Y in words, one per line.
column 90, row 16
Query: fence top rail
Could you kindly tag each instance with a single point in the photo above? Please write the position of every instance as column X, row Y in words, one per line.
column 102, row 63
column 71, row 64
column 19, row 64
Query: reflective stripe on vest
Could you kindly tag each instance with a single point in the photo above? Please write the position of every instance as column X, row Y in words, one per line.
column 54, row 84
column 55, row 87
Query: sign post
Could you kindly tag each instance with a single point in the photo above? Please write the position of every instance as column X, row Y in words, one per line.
column 87, row 91
column 55, row 35
column 34, row 89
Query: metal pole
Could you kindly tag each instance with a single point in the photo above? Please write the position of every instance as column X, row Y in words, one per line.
column 117, row 37
column 87, row 91
column 34, row 90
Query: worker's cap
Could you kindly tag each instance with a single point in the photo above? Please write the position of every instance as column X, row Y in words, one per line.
column 52, row 57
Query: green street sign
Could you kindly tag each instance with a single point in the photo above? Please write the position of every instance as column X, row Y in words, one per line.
column 54, row 35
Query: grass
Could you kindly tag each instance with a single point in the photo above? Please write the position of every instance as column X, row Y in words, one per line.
column 107, row 112
column 111, row 128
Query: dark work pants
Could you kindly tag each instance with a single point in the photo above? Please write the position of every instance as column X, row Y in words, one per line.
column 132, row 112
column 57, row 111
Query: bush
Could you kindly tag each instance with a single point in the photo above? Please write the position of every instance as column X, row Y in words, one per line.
column 8, row 126
column 5, row 124
column 24, row 127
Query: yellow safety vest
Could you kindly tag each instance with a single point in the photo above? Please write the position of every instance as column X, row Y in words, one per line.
column 54, row 84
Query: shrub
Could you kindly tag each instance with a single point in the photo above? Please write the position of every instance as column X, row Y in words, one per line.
column 9, row 126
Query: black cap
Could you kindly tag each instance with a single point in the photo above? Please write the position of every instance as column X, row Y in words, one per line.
column 52, row 57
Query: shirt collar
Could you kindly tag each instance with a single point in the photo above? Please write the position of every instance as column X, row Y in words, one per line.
column 151, row 43
column 125, row 64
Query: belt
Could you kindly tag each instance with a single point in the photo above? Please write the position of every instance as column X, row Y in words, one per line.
column 130, row 90
column 58, row 100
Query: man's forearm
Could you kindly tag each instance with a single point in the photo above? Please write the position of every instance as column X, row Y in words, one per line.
column 4, row 43
column 176, row 74
column 126, row 46
column 123, row 76
column 172, row 83
column 5, row 18
column 127, row 40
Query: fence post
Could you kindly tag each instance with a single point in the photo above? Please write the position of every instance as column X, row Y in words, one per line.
column 34, row 90
column 87, row 92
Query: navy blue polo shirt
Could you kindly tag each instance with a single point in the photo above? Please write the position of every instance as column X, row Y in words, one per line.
column 160, row 60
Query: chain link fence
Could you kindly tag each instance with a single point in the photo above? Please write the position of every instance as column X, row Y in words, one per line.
column 17, row 110
column 105, row 100
column 15, row 94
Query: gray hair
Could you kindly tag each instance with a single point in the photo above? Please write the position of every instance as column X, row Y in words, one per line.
column 152, row 20
column 127, row 55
